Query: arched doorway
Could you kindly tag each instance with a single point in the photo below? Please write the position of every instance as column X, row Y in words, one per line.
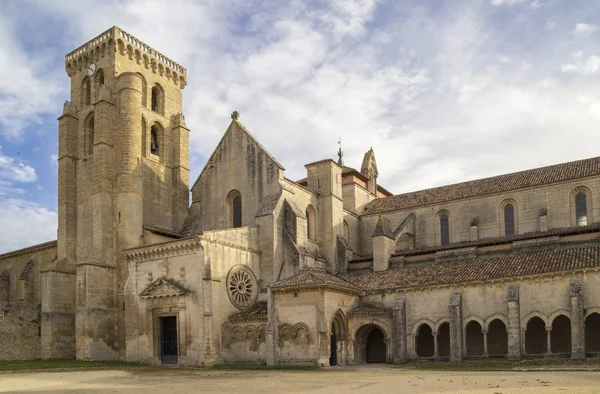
column 333, row 349
column 424, row 341
column 535, row 336
column 443, row 338
column 337, row 338
column 497, row 338
column 474, row 336
column 592, row 333
column 371, row 344
column 560, row 337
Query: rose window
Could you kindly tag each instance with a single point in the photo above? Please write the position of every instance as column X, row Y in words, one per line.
column 241, row 287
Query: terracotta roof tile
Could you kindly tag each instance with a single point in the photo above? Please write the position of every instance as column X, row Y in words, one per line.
column 312, row 279
column 480, row 187
column 512, row 265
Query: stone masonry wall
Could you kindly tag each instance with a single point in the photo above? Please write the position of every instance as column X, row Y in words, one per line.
column 556, row 198
column 19, row 331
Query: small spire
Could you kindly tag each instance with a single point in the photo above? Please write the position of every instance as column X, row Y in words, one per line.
column 235, row 115
column 340, row 153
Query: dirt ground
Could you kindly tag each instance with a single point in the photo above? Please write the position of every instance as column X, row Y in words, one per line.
column 376, row 380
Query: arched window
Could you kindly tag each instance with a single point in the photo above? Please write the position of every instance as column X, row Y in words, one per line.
column 237, row 211
column 508, row 225
column 154, row 140
column 234, row 206
column 100, row 77
column 581, row 209
column 311, row 223
column 158, row 99
column 89, row 134
column 444, row 229
column 509, row 220
column 86, row 94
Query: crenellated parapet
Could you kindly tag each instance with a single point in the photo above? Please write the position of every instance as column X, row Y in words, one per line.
column 125, row 44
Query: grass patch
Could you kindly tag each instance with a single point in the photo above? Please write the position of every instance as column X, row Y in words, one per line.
column 29, row 365
column 262, row 367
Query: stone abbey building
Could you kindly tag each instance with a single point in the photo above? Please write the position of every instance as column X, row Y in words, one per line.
column 330, row 269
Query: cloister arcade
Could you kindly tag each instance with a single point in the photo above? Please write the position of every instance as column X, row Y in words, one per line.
column 541, row 336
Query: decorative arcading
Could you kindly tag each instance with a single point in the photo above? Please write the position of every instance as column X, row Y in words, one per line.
column 116, row 39
column 167, row 249
column 299, row 334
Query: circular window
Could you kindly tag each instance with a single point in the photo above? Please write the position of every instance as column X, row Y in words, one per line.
column 241, row 286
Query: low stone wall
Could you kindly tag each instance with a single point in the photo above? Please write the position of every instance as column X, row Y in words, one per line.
column 20, row 328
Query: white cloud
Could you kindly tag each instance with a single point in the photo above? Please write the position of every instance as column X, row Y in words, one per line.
column 15, row 170
column 27, row 90
column 587, row 66
column 532, row 4
column 584, row 29
column 429, row 90
column 506, row 2
column 26, row 224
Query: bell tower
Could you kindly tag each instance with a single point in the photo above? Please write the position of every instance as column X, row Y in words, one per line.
column 122, row 168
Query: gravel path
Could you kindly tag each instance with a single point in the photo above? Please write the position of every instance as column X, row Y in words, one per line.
column 380, row 381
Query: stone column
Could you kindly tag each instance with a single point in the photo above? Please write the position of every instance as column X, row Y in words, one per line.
column 549, row 340
column 435, row 345
column 456, row 328
column 271, row 331
column 577, row 321
column 399, row 331
column 485, row 343
column 514, row 323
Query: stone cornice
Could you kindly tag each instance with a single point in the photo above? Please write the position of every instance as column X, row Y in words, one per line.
column 34, row 248
column 165, row 249
column 204, row 238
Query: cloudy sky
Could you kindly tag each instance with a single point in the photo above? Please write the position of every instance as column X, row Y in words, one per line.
column 444, row 91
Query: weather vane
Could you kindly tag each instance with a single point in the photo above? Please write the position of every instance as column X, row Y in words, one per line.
column 340, row 153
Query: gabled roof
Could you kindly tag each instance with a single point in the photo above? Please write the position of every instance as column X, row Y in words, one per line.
column 513, row 265
column 163, row 287
column 236, row 125
column 314, row 279
column 496, row 184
